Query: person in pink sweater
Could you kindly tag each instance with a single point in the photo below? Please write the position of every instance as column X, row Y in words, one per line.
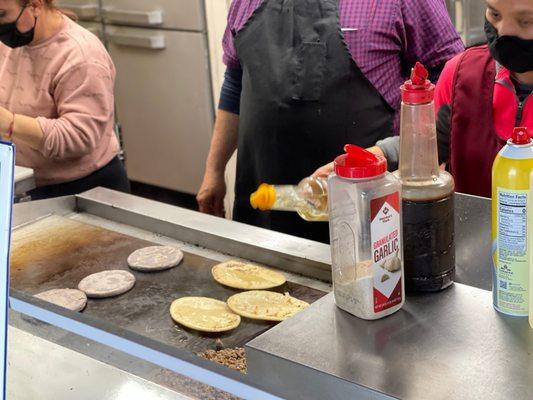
column 57, row 100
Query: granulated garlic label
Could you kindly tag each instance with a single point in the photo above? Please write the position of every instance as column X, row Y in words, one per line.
column 386, row 251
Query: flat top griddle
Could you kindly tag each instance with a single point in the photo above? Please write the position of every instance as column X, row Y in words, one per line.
column 57, row 252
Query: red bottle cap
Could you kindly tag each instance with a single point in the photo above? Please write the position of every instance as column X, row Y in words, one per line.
column 520, row 136
column 359, row 163
column 418, row 90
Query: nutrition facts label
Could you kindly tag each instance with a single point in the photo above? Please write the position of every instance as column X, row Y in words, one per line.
column 512, row 221
column 512, row 268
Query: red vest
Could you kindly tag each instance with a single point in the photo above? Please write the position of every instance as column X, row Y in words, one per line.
column 474, row 142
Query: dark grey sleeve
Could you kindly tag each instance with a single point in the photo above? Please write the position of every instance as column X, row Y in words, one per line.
column 230, row 94
column 391, row 148
column 391, row 145
column 444, row 128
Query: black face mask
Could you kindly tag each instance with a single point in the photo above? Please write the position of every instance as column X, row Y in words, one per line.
column 512, row 52
column 12, row 37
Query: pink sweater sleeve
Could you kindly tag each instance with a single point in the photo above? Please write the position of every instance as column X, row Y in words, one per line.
column 84, row 101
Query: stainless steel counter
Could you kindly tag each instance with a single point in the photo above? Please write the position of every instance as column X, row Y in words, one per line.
column 40, row 369
column 450, row 345
column 24, row 180
column 447, row 345
column 473, row 242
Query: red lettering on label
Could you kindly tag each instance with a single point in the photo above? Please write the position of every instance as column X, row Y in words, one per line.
column 386, row 244
column 386, row 250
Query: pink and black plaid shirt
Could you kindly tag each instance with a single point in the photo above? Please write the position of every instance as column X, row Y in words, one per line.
column 390, row 36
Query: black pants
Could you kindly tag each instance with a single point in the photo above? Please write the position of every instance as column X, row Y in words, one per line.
column 112, row 176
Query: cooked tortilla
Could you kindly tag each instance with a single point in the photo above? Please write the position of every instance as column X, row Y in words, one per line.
column 240, row 275
column 265, row 305
column 204, row 314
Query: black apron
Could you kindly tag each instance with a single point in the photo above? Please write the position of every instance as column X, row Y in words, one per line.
column 303, row 98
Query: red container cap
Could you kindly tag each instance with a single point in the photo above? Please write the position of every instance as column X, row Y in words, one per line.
column 359, row 163
column 520, row 136
column 418, row 90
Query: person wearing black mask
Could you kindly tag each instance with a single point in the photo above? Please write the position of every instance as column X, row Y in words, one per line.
column 57, row 101
column 482, row 94
column 12, row 37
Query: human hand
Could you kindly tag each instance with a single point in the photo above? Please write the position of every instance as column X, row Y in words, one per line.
column 376, row 150
column 324, row 171
column 210, row 197
column 6, row 119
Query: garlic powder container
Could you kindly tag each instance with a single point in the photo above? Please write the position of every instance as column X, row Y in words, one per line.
column 366, row 235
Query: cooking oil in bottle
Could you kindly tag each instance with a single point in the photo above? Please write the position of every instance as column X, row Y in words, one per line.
column 511, row 201
column 309, row 198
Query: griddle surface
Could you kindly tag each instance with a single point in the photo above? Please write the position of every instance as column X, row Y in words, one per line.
column 58, row 252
